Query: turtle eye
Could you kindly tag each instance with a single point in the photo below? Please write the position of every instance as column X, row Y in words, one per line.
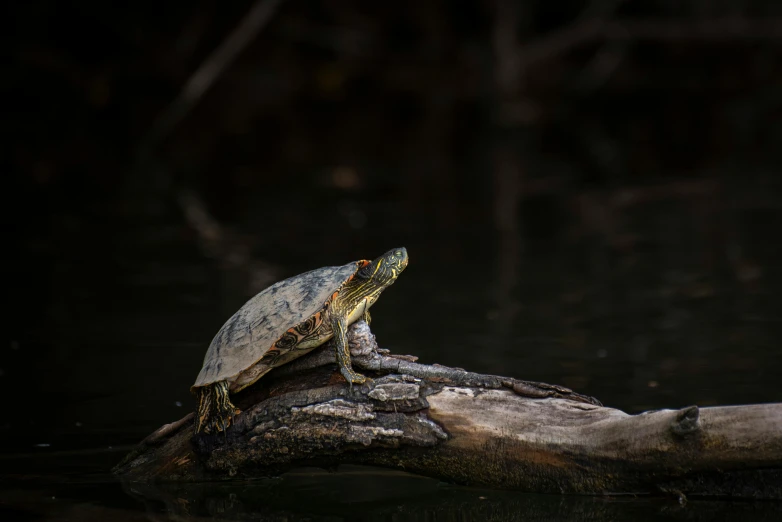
column 398, row 253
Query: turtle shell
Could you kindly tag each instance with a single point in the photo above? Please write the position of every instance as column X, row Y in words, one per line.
column 254, row 329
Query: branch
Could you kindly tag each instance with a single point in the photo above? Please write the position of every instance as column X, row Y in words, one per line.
column 219, row 242
column 729, row 29
column 470, row 428
column 583, row 32
column 208, row 72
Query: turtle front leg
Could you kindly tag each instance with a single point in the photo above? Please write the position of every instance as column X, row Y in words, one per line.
column 340, row 328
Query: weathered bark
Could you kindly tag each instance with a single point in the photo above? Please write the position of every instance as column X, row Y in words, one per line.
column 470, row 428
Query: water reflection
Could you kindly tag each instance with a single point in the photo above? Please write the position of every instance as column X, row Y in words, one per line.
column 352, row 493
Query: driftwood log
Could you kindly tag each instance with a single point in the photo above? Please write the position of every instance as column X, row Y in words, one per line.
column 468, row 428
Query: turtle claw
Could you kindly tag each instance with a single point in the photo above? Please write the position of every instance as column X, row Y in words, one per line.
column 353, row 377
column 218, row 424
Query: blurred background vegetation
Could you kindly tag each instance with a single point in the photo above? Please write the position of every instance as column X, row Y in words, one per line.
column 589, row 192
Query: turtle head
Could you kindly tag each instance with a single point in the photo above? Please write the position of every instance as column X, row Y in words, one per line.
column 385, row 269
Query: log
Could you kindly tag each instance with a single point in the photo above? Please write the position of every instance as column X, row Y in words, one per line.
column 469, row 428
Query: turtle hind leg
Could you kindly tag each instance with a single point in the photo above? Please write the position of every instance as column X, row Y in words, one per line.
column 203, row 413
column 215, row 410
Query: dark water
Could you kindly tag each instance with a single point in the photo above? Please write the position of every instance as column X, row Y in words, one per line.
column 351, row 493
column 679, row 314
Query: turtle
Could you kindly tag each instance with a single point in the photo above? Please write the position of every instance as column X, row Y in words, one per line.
column 285, row 321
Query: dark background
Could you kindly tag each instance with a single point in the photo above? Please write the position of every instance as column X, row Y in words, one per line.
column 588, row 191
